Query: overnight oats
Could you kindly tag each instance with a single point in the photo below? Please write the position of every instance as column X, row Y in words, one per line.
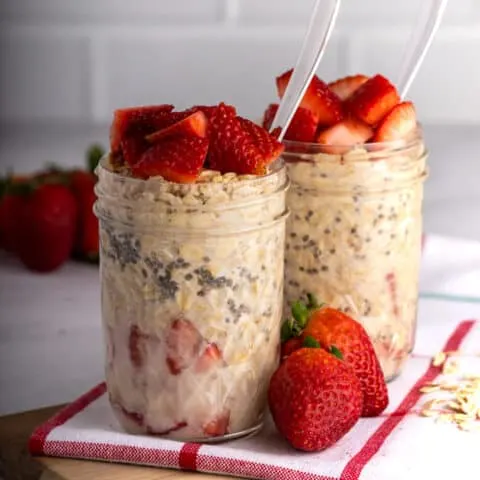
column 354, row 233
column 192, row 244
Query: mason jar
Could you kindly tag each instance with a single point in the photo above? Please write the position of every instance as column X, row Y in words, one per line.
column 192, row 288
column 354, row 236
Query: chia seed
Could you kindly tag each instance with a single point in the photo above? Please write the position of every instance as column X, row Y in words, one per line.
column 124, row 248
column 305, row 238
column 324, row 268
column 293, row 235
column 326, row 231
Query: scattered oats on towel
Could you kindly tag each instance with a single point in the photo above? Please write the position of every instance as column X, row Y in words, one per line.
column 456, row 399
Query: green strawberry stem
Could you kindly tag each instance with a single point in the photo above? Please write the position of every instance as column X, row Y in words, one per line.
column 310, row 342
column 94, row 154
column 335, row 351
column 312, row 302
column 300, row 313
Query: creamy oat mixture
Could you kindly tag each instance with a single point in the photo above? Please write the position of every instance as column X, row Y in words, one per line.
column 354, row 240
column 192, row 279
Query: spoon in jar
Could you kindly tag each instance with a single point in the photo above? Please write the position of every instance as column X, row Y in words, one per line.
column 419, row 44
column 318, row 34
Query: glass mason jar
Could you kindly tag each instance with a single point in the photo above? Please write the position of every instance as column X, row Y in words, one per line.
column 354, row 236
column 192, row 289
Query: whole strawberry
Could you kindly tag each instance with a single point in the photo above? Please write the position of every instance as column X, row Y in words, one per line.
column 45, row 227
column 315, row 399
column 334, row 330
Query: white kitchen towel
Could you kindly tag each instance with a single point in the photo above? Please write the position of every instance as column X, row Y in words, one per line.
column 397, row 445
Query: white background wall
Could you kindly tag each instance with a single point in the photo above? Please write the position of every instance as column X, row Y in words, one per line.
column 76, row 60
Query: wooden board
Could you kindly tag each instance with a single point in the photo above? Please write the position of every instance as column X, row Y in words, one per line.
column 15, row 461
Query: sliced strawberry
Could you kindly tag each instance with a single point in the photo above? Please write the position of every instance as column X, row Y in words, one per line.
column 319, row 99
column 183, row 345
column 210, row 110
column 268, row 146
column 344, row 87
column 218, row 426
column 302, row 127
column 126, row 120
column 239, row 146
column 401, row 120
column 373, row 100
column 177, row 160
column 136, row 346
column 174, row 428
column 194, row 125
column 210, row 358
column 133, row 416
column 344, row 135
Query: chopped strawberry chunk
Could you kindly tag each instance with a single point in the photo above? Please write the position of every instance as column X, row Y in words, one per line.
column 345, row 87
column 319, row 99
column 127, row 120
column 210, row 358
column 174, row 428
column 373, row 100
column 345, row 134
column 302, row 128
column 218, row 426
column 237, row 145
column 401, row 120
column 175, row 159
column 133, row 416
column 183, row 345
column 133, row 147
column 136, row 346
column 194, row 125
column 208, row 111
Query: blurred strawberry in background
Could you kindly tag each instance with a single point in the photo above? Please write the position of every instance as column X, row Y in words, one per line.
column 47, row 218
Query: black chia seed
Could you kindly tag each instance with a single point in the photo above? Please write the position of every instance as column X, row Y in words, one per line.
column 124, row 248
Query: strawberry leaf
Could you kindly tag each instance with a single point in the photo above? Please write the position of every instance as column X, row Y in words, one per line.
column 300, row 313
column 94, row 154
column 335, row 351
column 312, row 301
column 310, row 342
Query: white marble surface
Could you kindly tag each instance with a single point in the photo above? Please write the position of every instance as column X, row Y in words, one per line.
column 50, row 338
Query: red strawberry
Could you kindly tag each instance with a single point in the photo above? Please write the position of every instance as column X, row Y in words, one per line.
column 136, row 346
column 315, row 399
column 289, row 346
column 194, row 125
column 133, row 147
column 135, row 417
column 344, row 135
column 208, row 111
column 176, row 159
column 266, row 144
column 302, row 128
column 323, row 103
column 401, row 120
column 183, row 345
column 218, row 426
column 87, row 240
column 128, row 120
column 10, row 206
column 332, row 328
column 344, row 87
column 45, row 227
column 373, row 100
column 210, row 358
column 174, row 428
column 237, row 145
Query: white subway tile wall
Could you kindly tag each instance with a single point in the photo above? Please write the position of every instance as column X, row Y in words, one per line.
column 75, row 61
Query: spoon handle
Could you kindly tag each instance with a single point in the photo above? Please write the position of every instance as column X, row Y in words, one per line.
column 419, row 44
column 315, row 42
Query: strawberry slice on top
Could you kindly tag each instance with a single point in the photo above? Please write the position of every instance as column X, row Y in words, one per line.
column 194, row 125
column 346, row 86
column 373, row 100
column 238, row 145
column 398, row 124
column 302, row 128
column 128, row 120
column 344, row 135
column 319, row 99
column 176, row 159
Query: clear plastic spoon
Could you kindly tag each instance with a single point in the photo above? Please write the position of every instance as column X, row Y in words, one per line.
column 419, row 44
column 318, row 34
